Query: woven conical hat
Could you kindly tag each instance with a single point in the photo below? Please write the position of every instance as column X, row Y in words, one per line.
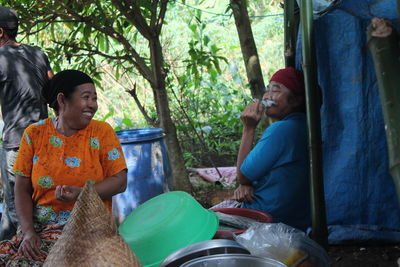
column 90, row 237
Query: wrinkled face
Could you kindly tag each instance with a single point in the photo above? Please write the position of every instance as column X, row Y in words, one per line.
column 81, row 106
column 284, row 99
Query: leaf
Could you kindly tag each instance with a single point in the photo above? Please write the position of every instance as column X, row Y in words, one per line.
column 52, row 32
column 193, row 28
column 100, row 38
column 107, row 44
column 206, row 40
column 117, row 71
column 213, row 74
column 214, row 49
column 69, row 25
column 109, row 114
column 87, row 30
column 127, row 122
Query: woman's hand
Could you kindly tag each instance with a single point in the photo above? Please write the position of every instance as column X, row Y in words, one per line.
column 67, row 193
column 251, row 115
column 244, row 193
column 30, row 245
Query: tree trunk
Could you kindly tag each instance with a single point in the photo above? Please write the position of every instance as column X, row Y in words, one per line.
column 291, row 24
column 180, row 179
column 249, row 49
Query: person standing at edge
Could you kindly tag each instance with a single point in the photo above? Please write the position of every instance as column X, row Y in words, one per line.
column 24, row 71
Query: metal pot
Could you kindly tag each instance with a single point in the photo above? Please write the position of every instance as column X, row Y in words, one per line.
column 204, row 248
column 233, row 260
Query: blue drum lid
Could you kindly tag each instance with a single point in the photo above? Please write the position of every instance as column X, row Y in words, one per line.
column 139, row 135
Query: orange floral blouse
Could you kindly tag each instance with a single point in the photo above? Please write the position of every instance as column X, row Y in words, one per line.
column 50, row 159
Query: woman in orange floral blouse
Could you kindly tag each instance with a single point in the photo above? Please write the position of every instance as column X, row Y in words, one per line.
column 57, row 157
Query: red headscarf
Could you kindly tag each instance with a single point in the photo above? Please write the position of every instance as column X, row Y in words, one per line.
column 291, row 78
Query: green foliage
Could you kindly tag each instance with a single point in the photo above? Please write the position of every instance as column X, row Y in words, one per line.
column 123, row 123
column 206, row 80
column 213, row 88
column 209, row 106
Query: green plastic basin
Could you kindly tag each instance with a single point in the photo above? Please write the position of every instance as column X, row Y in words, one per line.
column 167, row 223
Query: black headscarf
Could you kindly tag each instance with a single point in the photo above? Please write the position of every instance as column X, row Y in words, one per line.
column 63, row 82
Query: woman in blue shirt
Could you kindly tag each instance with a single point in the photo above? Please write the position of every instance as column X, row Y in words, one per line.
column 274, row 174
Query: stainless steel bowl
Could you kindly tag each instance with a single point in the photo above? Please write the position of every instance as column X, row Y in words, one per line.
column 232, row 260
column 204, row 248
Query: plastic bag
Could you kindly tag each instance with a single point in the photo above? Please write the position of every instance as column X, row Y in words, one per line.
column 283, row 243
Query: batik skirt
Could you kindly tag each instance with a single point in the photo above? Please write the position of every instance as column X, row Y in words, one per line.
column 9, row 255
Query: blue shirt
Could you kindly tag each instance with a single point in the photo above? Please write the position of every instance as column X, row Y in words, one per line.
column 278, row 168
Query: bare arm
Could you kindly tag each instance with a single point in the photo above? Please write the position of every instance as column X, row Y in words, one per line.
column 30, row 245
column 112, row 185
column 23, row 203
column 250, row 118
column 245, row 147
column 244, row 193
column 107, row 188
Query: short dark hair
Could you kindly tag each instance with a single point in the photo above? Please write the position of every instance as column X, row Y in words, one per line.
column 9, row 21
column 11, row 33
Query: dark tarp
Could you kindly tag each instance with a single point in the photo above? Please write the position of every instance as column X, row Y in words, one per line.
column 361, row 200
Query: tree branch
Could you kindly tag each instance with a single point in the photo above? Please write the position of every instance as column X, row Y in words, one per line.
column 132, row 13
column 161, row 16
column 153, row 16
column 138, row 61
column 32, row 24
column 29, row 32
column 92, row 51
column 149, row 120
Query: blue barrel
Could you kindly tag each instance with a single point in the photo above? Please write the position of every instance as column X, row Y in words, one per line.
column 149, row 169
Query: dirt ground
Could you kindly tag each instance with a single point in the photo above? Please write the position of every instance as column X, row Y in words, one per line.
column 341, row 255
column 359, row 255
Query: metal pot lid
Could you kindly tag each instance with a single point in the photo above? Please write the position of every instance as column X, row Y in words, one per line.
column 204, row 248
column 233, row 260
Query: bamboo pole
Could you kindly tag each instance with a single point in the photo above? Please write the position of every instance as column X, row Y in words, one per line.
column 319, row 230
column 291, row 23
column 385, row 50
column 398, row 13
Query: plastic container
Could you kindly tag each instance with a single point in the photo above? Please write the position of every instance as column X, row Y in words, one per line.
column 149, row 169
column 165, row 224
column 256, row 215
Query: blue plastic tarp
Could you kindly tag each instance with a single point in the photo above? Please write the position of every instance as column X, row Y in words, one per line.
column 361, row 201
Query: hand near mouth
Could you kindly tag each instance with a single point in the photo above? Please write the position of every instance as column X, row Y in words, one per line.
column 252, row 114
